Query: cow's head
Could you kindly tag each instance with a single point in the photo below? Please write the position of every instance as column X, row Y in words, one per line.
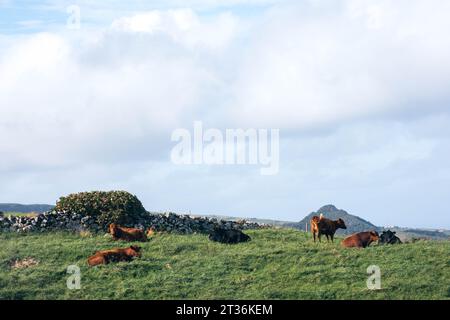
column 112, row 228
column 151, row 231
column 245, row 237
column 387, row 236
column 315, row 219
column 135, row 251
column 374, row 236
column 341, row 224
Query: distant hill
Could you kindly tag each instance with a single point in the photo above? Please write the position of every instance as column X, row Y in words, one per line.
column 278, row 223
column 353, row 223
column 25, row 208
column 433, row 234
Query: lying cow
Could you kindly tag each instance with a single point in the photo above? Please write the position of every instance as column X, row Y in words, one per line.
column 389, row 237
column 228, row 236
column 321, row 225
column 360, row 240
column 127, row 234
column 114, row 255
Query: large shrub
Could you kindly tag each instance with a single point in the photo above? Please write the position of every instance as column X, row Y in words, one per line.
column 104, row 207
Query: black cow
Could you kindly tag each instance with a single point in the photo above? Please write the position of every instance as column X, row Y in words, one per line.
column 228, row 236
column 389, row 237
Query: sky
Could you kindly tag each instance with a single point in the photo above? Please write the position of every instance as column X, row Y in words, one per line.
column 359, row 91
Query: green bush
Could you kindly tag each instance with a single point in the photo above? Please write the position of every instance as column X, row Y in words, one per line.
column 104, row 207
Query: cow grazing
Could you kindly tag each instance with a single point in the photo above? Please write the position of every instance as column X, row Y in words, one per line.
column 389, row 237
column 127, row 234
column 321, row 225
column 114, row 255
column 360, row 240
column 228, row 236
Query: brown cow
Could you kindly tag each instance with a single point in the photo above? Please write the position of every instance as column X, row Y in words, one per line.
column 360, row 240
column 114, row 255
column 321, row 225
column 127, row 234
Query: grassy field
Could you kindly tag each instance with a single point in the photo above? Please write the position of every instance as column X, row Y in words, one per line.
column 276, row 264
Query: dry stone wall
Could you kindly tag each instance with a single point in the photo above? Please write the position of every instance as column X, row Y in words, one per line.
column 169, row 222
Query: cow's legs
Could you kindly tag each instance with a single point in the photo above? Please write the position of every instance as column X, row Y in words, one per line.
column 332, row 237
column 328, row 239
column 319, row 235
column 314, row 236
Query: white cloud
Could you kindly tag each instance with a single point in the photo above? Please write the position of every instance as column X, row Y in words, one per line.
column 28, row 24
column 374, row 150
column 183, row 26
column 309, row 66
column 105, row 93
column 94, row 108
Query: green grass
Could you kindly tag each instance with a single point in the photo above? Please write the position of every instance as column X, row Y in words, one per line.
column 276, row 264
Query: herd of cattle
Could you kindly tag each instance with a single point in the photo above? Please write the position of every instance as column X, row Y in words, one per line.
column 319, row 226
column 323, row 226
column 133, row 234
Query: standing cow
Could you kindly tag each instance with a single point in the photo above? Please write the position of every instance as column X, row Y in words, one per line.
column 321, row 225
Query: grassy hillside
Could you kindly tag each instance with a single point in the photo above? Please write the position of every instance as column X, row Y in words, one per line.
column 276, row 264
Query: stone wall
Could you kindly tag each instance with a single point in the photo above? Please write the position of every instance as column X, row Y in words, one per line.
column 170, row 222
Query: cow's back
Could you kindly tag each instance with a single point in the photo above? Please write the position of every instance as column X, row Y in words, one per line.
column 326, row 226
column 352, row 242
column 129, row 234
column 358, row 240
column 96, row 259
column 228, row 236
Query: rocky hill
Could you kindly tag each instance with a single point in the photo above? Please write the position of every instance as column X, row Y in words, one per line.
column 354, row 223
